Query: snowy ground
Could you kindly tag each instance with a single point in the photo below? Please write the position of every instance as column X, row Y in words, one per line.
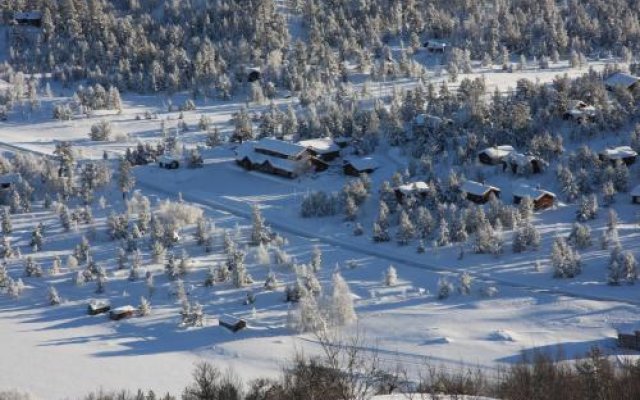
column 68, row 353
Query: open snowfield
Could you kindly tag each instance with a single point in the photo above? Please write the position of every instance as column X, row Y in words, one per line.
column 68, row 353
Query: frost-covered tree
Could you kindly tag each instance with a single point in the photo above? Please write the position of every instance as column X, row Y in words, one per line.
column 239, row 272
column 380, row 234
column 32, row 268
column 581, row 236
column 259, row 231
column 316, row 259
column 443, row 233
column 565, row 260
column 36, row 238
column 53, row 296
column 342, row 311
column 464, row 283
column 6, row 221
column 126, row 180
column 406, row 229
column 391, row 276
column 101, row 131
column 144, row 308
column 271, row 282
column 56, row 266
column 306, row 316
column 171, row 267
column 445, row 288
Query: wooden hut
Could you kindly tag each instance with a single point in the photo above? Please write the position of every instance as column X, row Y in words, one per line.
column 417, row 189
column 621, row 80
column 578, row 110
column 523, row 163
column 621, row 153
column 629, row 341
column 168, row 161
column 436, row 46
column 323, row 148
column 122, row 312
column 357, row 166
column 98, row 307
column 232, row 323
column 635, row 195
column 278, row 157
column 495, row 155
column 479, row 192
column 542, row 199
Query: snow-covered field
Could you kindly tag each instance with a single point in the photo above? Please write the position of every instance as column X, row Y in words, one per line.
column 68, row 353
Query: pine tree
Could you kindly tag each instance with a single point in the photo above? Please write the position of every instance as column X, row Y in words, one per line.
column 271, row 283
column 239, row 271
column 126, row 180
column 444, row 288
column 342, row 310
column 406, row 230
column 6, row 222
column 144, row 308
column 56, row 266
column 390, row 276
column 32, row 268
column 53, row 296
column 443, row 233
column 170, row 267
column 629, row 266
column 380, row 234
column 316, row 259
column 259, row 232
column 465, row 281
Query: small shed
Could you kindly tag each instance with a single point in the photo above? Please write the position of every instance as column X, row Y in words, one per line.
column 629, row 340
column 324, row 148
column 28, row 18
column 436, row 46
column 621, row 153
column 232, row 323
column 542, row 199
column 479, row 192
column 122, row 312
column 418, row 189
column 357, row 166
column 635, row 195
column 7, row 181
column 495, row 155
column 621, row 79
column 98, row 307
column 167, row 161
column 578, row 110
column 523, row 163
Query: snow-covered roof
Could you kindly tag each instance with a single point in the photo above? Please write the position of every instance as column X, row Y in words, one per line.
column 436, row 44
column 320, row 145
column 531, row 192
column 123, row 310
column 477, row 188
column 636, row 191
column 413, row 187
column 28, row 15
column 246, row 150
column 283, row 164
column 279, row 146
column 167, row 158
column 94, row 304
column 498, row 151
column 620, row 79
column 363, row 163
column 618, row 153
column 9, row 178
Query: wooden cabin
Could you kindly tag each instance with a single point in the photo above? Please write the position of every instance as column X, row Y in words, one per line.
column 542, row 199
column 28, row 18
column 522, row 164
column 579, row 111
column 479, row 193
column 635, row 195
column 495, row 155
column 232, row 323
column 358, row 166
column 98, row 307
column 323, row 148
column 629, row 341
column 416, row 189
column 278, row 157
column 167, row 161
column 122, row 312
column 621, row 153
column 621, row 80
column 436, row 46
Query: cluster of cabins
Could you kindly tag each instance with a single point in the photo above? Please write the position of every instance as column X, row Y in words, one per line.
column 290, row 160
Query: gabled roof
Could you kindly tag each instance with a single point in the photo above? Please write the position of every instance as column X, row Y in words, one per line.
column 283, row 164
column 279, row 146
column 362, row 164
column 123, row 309
column 498, row 151
column 477, row 188
column 531, row 192
column 620, row 79
column 618, row 153
column 320, row 145
column 413, row 187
